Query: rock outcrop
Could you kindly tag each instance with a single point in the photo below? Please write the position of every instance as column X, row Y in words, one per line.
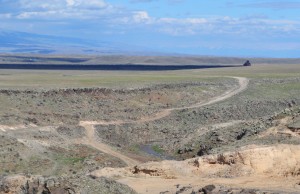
column 247, row 63
column 25, row 184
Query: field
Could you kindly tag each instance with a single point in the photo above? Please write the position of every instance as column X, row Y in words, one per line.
column 93, row 131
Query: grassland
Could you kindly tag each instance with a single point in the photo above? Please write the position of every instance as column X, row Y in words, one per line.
column 119, row 79
column 116, row 79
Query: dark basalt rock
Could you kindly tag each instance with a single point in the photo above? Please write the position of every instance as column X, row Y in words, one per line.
column 247, row 63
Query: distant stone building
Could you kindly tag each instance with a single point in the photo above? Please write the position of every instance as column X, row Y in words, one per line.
column 247, row 63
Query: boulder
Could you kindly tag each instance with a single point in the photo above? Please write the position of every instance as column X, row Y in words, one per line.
column 208, row 189
column 247, row 63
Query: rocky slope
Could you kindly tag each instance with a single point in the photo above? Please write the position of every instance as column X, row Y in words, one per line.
column 236, row 122
column 27, row 184
column 69, row 106
column 61, row 135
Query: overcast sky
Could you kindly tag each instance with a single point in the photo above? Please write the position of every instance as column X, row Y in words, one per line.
column 199, row 27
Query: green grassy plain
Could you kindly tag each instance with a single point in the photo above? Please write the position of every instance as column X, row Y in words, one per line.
column 119, row 79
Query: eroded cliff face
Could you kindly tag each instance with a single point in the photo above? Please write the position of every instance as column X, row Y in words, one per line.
column 248, row 167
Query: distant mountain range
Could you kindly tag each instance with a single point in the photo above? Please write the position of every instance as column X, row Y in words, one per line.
column 21, row 42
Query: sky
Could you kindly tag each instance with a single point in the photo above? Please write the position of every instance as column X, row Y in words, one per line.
column 261, row 28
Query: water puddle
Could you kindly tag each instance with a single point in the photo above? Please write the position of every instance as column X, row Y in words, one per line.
column 149, row 149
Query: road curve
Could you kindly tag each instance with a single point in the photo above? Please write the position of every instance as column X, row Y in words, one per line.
column 90, row 129
column 90, row 140
column 243, row 84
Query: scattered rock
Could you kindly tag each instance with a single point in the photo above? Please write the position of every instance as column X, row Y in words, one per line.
column 22, row 184
column 208, row 189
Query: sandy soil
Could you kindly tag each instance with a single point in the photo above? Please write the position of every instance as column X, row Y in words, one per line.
column 274, row 167
column 5, row 128
column 281, row 128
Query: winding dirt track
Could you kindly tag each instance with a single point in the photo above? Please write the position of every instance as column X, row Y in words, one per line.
column 243, row 84
column 90, row 129
column 91, row 141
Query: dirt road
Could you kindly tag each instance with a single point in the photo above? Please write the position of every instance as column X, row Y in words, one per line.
column 90, row 140
column 89, row 125
column 243, row 84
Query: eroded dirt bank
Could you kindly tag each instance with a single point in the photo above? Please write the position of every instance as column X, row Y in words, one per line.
column 269, row 168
